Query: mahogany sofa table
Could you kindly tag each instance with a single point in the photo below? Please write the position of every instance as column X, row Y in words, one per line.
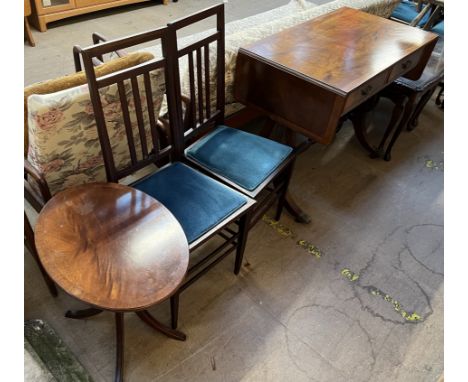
column 115, row 248
column 308, row 77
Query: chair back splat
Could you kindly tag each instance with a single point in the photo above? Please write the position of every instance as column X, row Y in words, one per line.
column 130, row 94
column 207, row 103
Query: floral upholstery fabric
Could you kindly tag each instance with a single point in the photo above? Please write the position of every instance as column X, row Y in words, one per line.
column 63, row 139
column 77, row 79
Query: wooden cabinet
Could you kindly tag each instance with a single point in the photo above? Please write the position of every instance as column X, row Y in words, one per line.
column 46, row 11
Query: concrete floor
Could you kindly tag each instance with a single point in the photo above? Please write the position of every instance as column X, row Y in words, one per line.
column 336, row 315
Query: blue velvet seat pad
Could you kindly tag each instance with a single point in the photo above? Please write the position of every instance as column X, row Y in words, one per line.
column 407, row 11
column 198, row 202
column 245, row 159
column 438, row 28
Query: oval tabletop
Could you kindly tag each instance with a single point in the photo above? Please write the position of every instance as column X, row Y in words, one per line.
column 112, row 246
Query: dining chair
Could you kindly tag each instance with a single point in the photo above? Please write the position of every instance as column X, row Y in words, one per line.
column 256, row 166
column 204, row 207
column 412, row 12
column 409, row 98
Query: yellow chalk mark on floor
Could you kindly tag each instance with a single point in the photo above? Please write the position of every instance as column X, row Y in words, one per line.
column 433, row 165
column 286, row 232
column 310, row 248
column 408, row 316
column 278, row 227
column 351, row 276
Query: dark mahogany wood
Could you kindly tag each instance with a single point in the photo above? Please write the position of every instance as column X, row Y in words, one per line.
column 152, row 151
column 202, row 117
column 120, row 339
column 162, row 149
column 83, row 313
column 308, row 76
column 112, row 246
column 115, row 248
column 150, row 321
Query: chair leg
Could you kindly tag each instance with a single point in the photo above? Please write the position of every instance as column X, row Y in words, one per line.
column 50, row 284
column 31, row 246
column 439, row 99
column 174, row 310
column 403, row 122
column 284, row 191
column 241, row 241
column 413, row 122
column 359, row 117
column 399, row 100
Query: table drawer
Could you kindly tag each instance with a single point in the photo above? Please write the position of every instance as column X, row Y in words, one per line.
column 405, row 65
column 365, row 91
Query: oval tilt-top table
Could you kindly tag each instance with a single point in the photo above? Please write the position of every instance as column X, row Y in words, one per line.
column 115, row 248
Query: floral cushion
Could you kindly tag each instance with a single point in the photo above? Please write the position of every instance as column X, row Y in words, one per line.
column 63, row 140
column 76, row 79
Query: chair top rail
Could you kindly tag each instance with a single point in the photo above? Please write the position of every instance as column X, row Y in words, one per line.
column 126, row 42
column 185, row 21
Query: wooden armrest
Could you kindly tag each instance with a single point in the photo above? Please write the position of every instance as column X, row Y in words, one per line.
column 164, row 131
column 37, row 201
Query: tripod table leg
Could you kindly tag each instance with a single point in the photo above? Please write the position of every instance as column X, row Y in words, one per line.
column 119, row 361
column 148, row 319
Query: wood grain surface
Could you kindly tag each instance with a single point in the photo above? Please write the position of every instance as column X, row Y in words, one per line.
column 112, row 246
column 342, row 49
column 308, row 76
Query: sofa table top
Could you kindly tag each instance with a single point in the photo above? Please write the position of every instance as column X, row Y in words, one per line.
column 342, row 49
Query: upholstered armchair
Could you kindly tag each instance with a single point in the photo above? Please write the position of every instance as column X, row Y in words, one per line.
column 61, row 146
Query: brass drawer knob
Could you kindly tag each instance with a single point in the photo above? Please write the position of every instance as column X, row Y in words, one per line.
column 366, row 91
column 406, row 64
